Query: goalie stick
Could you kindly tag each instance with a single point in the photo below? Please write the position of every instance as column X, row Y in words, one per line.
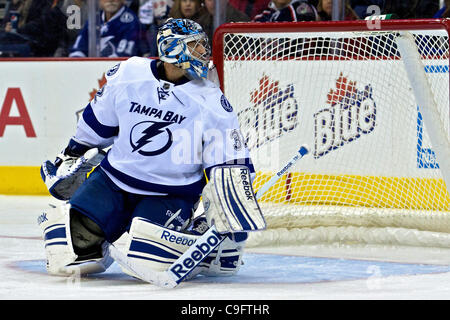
column 204, row 245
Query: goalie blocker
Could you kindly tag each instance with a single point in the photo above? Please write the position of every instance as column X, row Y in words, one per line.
column 229, row 201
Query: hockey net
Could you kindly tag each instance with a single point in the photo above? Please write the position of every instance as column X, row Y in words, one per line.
column 376, row 173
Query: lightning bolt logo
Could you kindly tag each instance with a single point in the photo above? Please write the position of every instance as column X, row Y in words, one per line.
column 147, row 135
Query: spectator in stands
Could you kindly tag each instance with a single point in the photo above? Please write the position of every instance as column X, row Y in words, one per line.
column 14, row 5
column 250, row 7
column 401, row 9
column 325, row 11
column 444, row 12
column 152, row 15
column 206, row 19
column 161, row 11
column 41, row 26
column 426, row 8
column 76, row 12
column 288, row 10
column 418, row 9
column 186, row 9
column 146, row 19
column 119, row 32
column 133, row 5
column 361, row 7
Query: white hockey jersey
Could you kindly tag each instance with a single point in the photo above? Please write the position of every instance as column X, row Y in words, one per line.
column 162, row 136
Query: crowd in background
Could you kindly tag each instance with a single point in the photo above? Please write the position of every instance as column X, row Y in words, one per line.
column 59, row 28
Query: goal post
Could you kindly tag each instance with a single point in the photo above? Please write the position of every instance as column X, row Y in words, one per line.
column 372, row 101
column 426, row 101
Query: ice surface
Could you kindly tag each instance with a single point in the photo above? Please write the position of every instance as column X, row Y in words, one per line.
column 303, row 272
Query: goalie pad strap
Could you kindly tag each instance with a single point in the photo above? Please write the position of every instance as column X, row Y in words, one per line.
column 226, row 261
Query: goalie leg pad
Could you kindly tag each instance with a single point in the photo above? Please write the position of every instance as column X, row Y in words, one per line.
column 229, row 201
column 58, row 243
column 226, row 259
column 61, row 257
column 155, row 247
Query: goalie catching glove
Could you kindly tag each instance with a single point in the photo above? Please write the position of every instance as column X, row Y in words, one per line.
column 63, row 176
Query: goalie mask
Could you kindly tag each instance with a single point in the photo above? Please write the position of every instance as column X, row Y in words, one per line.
column 183, row 42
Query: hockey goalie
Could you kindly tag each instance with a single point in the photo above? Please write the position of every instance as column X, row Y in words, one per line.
column 164, row 125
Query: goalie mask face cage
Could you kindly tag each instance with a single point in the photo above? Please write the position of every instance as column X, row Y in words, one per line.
column 183, row 42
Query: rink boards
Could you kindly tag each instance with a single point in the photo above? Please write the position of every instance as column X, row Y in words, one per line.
column 40, row 102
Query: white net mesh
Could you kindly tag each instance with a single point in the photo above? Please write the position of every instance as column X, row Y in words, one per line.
column 373, row 170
